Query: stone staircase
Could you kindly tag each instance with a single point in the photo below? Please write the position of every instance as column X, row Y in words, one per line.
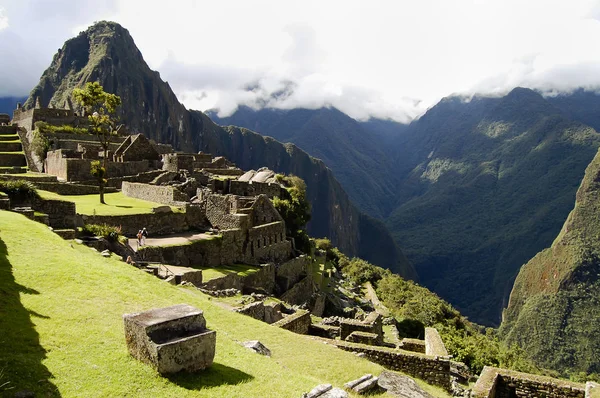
column 12, row 157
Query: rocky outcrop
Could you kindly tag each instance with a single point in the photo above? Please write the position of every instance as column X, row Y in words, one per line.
column 107, row 53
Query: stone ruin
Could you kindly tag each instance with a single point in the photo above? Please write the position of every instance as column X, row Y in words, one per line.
column 504, row 383
column 171, row 339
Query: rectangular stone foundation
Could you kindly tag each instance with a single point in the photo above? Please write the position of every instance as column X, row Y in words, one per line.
column 170, row 339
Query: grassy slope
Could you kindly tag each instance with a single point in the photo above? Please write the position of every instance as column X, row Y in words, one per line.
column 61, row 309
column 116, row 203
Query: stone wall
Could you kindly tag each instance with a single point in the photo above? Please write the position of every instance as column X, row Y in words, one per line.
column 298, row 322
column 592, row 390
column 504, row 383
column 72, row 169
column 434, row 344
column 249, row 188
column 144, row 177
column 372, row 324
column 433, row 370
column 254, row 310
column 301, row 292
column 414, row 345
column 61, row 214
column 155, row 223
column 262, row 280
column 230, row 281
column 62, row 188
column 268, row 242
column 218, row 209
column 164, row 194
column 291, row 272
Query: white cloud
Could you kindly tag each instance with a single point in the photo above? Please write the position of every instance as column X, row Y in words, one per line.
column 3, row 19
column 383, row 58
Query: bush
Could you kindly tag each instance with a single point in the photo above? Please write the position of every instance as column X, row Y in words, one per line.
column 19, row 189
column 106, row 231
column 294, row 207
column 40, row 144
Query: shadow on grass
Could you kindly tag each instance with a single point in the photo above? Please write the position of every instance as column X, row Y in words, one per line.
column 216, row 375
column 123, row 206
column 21, row 354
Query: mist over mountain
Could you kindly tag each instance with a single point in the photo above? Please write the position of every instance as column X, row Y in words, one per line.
column 107, row 53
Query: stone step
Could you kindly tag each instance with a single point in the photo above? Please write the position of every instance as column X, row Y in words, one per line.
column 9, row 159
column 8, row 130
column 12, row 170
column 9, row 146
column 33, row 177
column 9, row 137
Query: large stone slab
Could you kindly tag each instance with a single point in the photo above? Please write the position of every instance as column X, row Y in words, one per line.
column 171, row 339
column 401, row 386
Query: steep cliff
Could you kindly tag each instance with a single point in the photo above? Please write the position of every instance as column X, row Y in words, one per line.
column 107, row 53
column 554, row 307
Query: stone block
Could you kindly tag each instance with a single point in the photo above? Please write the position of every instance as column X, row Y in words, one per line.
column 401, row 386
column 257, row 347
column 170, row 339
column 363, row 338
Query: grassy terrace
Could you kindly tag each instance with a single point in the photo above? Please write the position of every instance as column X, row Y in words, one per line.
column 61, row 308
column 117, row 204
column 219, row 272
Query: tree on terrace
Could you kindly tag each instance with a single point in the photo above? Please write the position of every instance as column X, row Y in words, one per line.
column 100, row 108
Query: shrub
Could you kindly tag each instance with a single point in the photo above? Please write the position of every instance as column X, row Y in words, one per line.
column 106, row 231
column 40, row 144
column 19, row 189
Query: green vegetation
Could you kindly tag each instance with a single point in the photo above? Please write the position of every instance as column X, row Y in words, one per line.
column 294, row 207
column 48, row 129
column 415, row 307
column 101, row 108
column 210, row 273
column 116, row 204
column 104, row 230
column 61, row 313
column 554, row 308
column 40, row 145
column 18, row 189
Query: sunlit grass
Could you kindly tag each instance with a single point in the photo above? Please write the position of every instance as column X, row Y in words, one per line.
column 61, row 307
column 117, row 204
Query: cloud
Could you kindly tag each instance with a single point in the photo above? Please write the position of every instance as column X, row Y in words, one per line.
column 3, row 19
column 387, row 59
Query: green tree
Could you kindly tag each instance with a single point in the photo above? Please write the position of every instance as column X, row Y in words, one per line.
column 294, row 207
column 100, row 108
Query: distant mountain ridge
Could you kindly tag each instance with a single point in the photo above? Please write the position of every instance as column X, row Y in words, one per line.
column 472, row 189
column 355, row 154
column 107, row 53
column 487, row 184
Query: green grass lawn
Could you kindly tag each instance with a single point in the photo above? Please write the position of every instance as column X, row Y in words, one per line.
column 117, row 204
column 61, row 307
column 210, row 273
